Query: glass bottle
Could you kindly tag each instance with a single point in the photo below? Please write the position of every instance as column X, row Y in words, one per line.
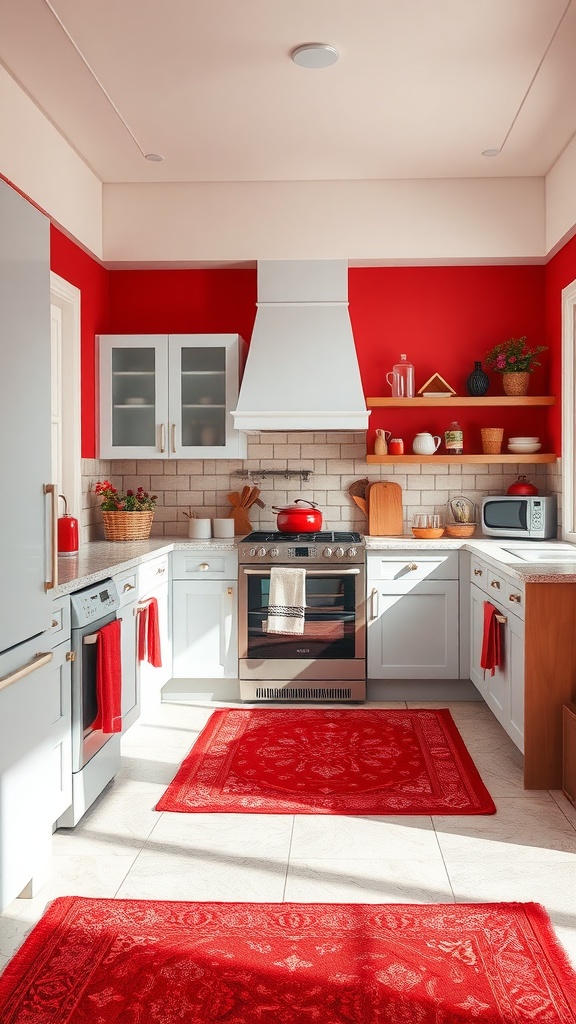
column 403, row 378
column 454, row 439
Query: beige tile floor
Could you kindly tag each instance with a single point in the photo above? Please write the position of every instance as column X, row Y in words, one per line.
column 123, row 848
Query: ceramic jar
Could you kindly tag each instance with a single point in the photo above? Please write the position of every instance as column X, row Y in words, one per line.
column 425, row 444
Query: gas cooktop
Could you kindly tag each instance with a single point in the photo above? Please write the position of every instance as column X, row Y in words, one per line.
column 324, row 537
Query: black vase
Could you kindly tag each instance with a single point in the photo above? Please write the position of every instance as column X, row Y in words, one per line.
column 478, row 381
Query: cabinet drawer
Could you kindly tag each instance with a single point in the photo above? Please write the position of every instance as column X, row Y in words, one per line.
column 151, row 574
column 404, row 566
column 479, row 573
column 60, row 620
column 205, row 565
column 127, row 586
column 515, row 596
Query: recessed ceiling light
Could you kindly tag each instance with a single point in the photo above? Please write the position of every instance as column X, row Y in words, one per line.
column 315, row 55
column 490, row 152
column 154, row 158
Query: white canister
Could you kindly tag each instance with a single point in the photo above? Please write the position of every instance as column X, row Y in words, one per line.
column 425, row 444
column 223, row 528
column 199, row 529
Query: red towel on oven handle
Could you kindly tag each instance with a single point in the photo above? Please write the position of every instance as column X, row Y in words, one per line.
column 109, row 678
column 491, row 654
column 149, row 633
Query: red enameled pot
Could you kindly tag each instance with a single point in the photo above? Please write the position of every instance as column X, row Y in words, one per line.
column 295, row 519
column 522, row 486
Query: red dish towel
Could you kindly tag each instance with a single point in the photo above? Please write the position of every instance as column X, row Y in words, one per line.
column 109, row 678
column 491, row 647
column 149, row 633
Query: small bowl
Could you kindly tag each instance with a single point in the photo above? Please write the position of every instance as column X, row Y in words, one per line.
column 461, row 529
column 428, row 532
column 523, row 440
column 524, row 449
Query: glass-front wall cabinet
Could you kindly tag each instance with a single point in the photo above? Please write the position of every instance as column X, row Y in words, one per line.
column 169, row 396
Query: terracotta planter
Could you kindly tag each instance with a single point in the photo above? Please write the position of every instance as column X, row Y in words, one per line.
column 515, row 383
column 127, row 525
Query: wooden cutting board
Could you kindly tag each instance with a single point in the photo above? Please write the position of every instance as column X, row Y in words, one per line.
column 385, row 517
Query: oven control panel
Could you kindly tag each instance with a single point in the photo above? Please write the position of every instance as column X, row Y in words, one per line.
column 93, row 603
column 301, row 553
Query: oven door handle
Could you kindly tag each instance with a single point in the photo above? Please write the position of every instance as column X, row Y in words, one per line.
column 309, row 572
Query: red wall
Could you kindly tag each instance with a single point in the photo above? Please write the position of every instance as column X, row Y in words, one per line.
column 444, row 318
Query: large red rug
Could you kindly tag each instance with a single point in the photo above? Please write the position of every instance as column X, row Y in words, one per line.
column 323, row 761
column 98, row 961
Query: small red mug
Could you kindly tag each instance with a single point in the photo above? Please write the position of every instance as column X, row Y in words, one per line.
column 396, row 446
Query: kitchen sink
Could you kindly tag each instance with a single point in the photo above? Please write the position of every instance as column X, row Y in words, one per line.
column 547, row 553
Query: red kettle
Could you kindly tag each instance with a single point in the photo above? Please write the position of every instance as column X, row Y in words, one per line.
column 67, row 532
column 522, row 486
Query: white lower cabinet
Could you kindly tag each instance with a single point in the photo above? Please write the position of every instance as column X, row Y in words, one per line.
column 205, row 629
column 503, row 691
column 153, row 582
column 60, row 693
column 205, row 614
column 412, row 615
column 127, row 587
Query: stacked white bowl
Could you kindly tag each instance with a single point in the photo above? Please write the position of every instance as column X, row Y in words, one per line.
column 523, row 445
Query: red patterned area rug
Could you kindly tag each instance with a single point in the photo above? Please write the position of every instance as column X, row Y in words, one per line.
column 98, row 961
column 323, row 761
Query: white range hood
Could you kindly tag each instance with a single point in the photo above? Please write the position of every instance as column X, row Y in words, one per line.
column 302, row 370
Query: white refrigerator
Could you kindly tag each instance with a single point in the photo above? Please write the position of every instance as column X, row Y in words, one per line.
column 28, row 560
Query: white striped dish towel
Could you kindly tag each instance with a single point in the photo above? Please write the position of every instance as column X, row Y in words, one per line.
column 287, row 600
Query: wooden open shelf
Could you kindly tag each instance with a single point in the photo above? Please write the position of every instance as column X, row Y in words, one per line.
column 502, row 400
column 515, row 459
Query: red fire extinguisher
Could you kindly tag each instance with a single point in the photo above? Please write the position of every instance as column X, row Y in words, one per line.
column 67, row 532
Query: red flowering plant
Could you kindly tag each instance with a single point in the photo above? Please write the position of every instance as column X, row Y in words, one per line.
column 514, row 356
column 133, row 501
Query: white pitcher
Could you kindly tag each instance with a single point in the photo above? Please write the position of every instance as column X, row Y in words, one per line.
column 425, row 444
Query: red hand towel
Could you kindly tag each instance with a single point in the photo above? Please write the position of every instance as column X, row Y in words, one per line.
column 149, row 634
column 109, row 678
column 491, row 649
column 153, row 635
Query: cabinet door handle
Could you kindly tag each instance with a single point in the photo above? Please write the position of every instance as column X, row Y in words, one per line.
column 515, row 597
column 412, row 566
column 478, row 572
column 230, row 591
column 128, row 586
column 37, row 662
column 203, row 567
column 56, row 623
column 162, row 437
column 70, row 656
column 52, row 490
column 173, row 438
column 495, row 583
column 374, row 609
column 161, row 569
column 501, row 618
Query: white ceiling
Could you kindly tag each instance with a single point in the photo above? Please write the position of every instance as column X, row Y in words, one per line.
column 422, row 87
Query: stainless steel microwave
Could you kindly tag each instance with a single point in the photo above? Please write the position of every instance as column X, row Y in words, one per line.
column 515, row 515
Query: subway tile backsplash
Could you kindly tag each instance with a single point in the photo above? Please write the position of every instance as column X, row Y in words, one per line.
column 335, row 460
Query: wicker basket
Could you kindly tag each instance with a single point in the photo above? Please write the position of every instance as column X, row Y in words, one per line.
column 127, row 525
column 461, row 529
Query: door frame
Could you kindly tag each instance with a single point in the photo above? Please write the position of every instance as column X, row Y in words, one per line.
column 67, row 298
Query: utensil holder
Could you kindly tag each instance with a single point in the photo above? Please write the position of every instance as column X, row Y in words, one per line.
column 199, row 529
column 223, row 528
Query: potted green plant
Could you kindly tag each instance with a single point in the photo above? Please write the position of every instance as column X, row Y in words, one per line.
column 515, row 361
column 125, row 516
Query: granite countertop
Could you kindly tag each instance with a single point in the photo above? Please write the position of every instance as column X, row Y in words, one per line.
column 496, row 551
column 99, row 559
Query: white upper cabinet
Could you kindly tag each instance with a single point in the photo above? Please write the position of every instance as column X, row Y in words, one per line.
column 169, row 396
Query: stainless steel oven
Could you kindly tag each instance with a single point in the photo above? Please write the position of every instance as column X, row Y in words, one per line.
column 95, row 754
column 328, row 660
